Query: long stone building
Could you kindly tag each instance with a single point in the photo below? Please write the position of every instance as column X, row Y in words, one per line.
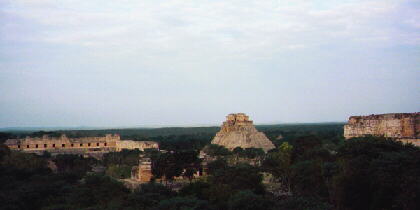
column 94, row 146
column 404, row 127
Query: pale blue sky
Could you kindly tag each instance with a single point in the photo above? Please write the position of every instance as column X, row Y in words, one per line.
column 177, row 62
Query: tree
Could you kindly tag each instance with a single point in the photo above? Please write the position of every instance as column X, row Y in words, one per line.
column 124, row 157
column 119, row 171
column 305, row 147
column 279, row 164
column 148, row 195
column 253, row 153
column 97, row 192
column 74, row 164
column 227, row 181
column 307, row 179
column 216, row 150
column 199, row 189
column 301, row 202
column 238, row 152
column 247, row 200
column 25, row 161
column 189, row 173
column 377, row 173
column 4, row 151
column 166, row 165
column 219, row 164
column 183, row 203
column 173, row 164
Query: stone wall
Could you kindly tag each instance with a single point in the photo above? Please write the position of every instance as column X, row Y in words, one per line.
column 141, row 145
column 401, row 126
column 84, row 145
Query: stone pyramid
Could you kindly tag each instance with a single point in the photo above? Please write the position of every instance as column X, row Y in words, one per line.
column 239, row 131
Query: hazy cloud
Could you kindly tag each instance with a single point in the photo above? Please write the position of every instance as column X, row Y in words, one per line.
column 74, row 62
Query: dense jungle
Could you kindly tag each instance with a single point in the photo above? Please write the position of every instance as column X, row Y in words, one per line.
column 312, row 167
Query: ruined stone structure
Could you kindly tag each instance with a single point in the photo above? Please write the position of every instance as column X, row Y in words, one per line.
column 239, row 131
column 142, row 172
column 83, row 146
column 404, row 127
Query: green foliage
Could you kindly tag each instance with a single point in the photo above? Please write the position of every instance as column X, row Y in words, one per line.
column 155, row 189
column 223, row 183
column 24, row 161
column 249, row 153
column 377, row 174
column 74, row 164
column 124, row 157
column 199, row 189
column 247, row 200
column 304, row 148
column 301, row 203
column 278, row 162
column 183, row 203
column 216, row 150
column 148, row 196
column 4, row 136
column 323, row 173
column 119, row 171
column 27, row 183
column 4, row 151
column 238, row 151
column 172, row 164
column 97, row 192
column 232, row 179
column 183, row 142
column 189, row 173
column 308, row 159
column 254, row 153
column 307, row 179
column 119, row 164
column 218, row 164
column 329, row 133
column 166, row 165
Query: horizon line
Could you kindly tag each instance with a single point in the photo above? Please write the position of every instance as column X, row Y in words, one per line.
column 83, row 127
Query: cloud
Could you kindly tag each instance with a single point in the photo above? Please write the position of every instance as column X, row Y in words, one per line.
column 241, row 28
column 165, row 58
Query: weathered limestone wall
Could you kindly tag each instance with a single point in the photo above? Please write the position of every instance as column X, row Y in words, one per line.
column 141, row 145
column 402, row 126
column 62, row 143
column 239, row 131
column 65, row 145
column 145, row 170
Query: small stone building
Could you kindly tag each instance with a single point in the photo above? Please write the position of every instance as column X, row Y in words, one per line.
column 142, row 172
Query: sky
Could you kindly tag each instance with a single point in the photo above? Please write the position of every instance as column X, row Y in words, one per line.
column 183, row 62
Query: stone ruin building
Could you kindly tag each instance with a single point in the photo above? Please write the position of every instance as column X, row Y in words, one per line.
column 403, row 127
column 142, row 172
column 88, row 146
column 239, row 131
